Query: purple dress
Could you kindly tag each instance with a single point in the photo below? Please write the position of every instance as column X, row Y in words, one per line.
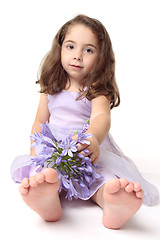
column 68, row 114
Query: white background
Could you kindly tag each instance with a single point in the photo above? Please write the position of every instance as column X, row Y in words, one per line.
column 26, row 32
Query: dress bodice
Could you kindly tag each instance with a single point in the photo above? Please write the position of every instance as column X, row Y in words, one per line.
column 68, row 112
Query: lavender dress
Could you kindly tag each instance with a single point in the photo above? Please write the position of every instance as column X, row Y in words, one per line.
column 66, row 115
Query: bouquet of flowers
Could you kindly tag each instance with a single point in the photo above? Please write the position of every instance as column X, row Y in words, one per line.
column 76, row 172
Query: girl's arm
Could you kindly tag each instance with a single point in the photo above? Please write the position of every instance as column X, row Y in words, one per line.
column 99, row 126
column 42, row 116
column 100, row 118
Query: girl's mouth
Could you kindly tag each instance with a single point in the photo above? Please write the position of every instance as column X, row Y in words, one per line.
column 76, row 66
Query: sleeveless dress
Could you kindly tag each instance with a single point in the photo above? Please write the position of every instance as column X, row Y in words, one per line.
column 68, row 114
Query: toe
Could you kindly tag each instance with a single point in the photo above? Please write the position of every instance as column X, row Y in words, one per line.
column 129, row 187
column 137, row 187
column 140, row 194
column 25, row 182
column 33, row 182
column 124, row 182
column 113, row 185
column 22, row 190
column 50, row 175
column 39, row 177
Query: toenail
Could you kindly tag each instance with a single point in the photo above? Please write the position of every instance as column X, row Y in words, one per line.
column 129, row 187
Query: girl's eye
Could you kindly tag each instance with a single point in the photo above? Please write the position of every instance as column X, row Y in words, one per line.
column 88, row 50
column 70, row 47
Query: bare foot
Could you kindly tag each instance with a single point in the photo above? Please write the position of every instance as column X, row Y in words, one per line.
column 40, row 193
column 122, row 199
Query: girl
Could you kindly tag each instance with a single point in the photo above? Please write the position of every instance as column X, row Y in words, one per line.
column 77, row 82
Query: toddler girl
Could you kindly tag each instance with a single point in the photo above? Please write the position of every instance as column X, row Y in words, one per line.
column 77, row 81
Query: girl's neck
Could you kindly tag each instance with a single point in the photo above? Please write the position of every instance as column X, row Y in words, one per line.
column 73, row 86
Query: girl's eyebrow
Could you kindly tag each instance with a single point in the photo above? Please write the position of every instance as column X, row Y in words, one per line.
column 89, row 44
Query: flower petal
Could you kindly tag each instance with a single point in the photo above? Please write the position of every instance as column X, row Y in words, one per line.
column 70, row 153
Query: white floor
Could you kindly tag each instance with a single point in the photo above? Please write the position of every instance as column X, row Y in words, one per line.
column 81, row 220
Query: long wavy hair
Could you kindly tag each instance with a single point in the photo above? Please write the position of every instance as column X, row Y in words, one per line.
column 101, row 81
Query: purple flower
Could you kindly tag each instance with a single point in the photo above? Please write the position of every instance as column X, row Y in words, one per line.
column 71, row 191
column 86, row 151
column 58, row 160
column 87, row 178
column 83, row 136
column 76, row 172
column 47, row 151
column 85, row 127
column 37, row 137
column 89, row 169
column 46, row 131
column 39, row 160
column 65, row 182
column 68, row 146
column 84, row 190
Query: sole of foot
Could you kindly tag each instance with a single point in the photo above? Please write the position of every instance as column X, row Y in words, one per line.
column 122, row 199
column 40, row 193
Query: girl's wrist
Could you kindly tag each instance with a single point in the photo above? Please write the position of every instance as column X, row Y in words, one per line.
column 33, row 152
column 93, row 138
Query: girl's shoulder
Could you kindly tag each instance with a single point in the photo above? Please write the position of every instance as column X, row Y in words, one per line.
column 101, row 100
column 101, row 104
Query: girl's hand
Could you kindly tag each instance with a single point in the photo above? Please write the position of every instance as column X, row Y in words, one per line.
column 92, row 150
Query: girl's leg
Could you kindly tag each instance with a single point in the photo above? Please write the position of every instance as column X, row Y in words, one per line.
column 120, row 200
column 40, row 193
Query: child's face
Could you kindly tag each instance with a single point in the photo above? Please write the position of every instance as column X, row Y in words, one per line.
column 79, row 54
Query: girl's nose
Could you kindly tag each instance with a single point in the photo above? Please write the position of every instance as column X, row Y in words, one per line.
column 78, row 56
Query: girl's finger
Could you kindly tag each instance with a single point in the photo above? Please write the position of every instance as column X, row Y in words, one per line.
column 85, row 152
column 94, row 157
column 81, row 146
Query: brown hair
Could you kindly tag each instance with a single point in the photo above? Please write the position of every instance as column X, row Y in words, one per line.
column 101, row 81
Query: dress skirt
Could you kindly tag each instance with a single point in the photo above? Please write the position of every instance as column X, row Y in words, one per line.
column 112, row 163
